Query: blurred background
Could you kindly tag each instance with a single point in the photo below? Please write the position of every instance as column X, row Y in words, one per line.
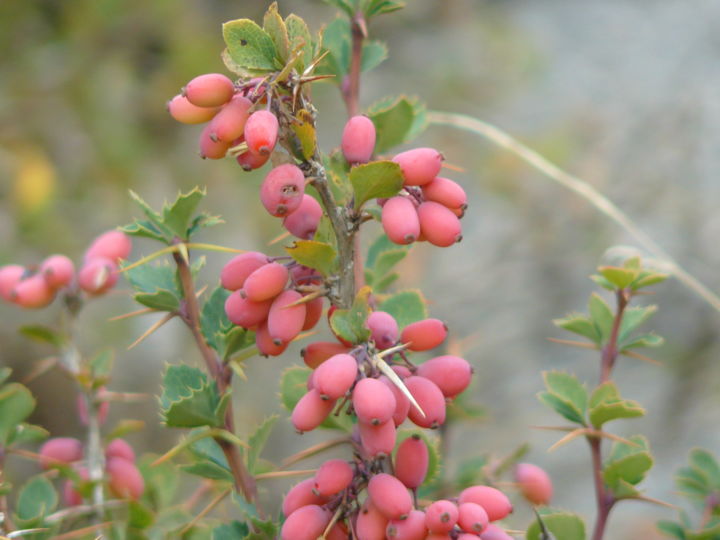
column 622, row 93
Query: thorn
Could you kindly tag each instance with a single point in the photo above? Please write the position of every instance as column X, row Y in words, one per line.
column 279, row 238
column 40, row 368
column 455, row 168
column 568, row 438
column 152, row 329
column 397, row 381
column 572, row 343
column 638, row 356
column 131, row 314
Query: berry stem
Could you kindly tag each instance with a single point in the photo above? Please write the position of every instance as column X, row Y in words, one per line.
column 352, row 92
column 244, row 482
column 96, row 459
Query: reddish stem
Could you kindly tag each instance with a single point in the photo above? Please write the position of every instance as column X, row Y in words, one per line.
column 351, row 92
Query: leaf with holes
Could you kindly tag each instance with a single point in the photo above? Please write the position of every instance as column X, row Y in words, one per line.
column 250, row 48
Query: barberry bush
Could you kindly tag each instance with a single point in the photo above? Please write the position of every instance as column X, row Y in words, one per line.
column 383, row 384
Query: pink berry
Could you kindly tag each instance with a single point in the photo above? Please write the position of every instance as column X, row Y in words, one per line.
column 472, row 518
column 411, row 528
column 244, row 312
column 98, row 275
column 400, row 220
column 451, row 374
column 58, row 271
column 377, row 440
column 430, row 399
column 534, row 482
column 267, row 344
column 310, row 411
column 211, row 148
column 229, row 123
column 125, row 480
column 119, row 448
column 358, row 139
column 390, row 496
column 304, row 275
column 371, row 523
column 419, row 165
column 493, row 532
column 306, row 523
column 374, row 403
column 446, row 192
column 237, row 269
column 60, row 451
column 334, row 377
column 441, row 516
column 383, row 329
column 411, row 461
column 183, row 111
column 261, row 132
column 318, row 352
column 209, row 90
column 424, row 335
column 300, row 495
column 282, row 190
column 438, row 224
column 402, row 403
column 333, row 476
column 304, row 221
column 494, row 501
column 32, row 292
column 10, row 276
column 70, row 495
column 266, row 282
column 285, row 320
column 113, row 245
column 250, row 161
column 313, row 313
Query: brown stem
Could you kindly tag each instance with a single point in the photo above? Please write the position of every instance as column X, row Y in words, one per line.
column 604, row 499
column 244, row 482
column 351, row 93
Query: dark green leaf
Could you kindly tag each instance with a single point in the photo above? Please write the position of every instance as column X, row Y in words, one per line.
column 632, row 319
column 36, row 500
column 397, row 119
column 5, row 373
column 388, row 259
column 606, row 405
column 43, row 334
column 643, row 340
column 154, row 227
column 671, row 529
column 139, row 516
column 155, row 286
column 160, row 300
column 562, row 525
column 383, row 284
column 378, row 7
column 374, row 180
column 337, row 38
column 381, row 244
column 406, row 307
column 705, row 463
column 313, row 254
column 208, row 469
column 293, row 385
column 145, row 229
column 161, row 481
column 208, row 449
column 628, row 463
column 579, row 324
column 249, row 46
column 349, row 324
column 566, row 387
column 177, row 216
column 258, row 440
column 16, row 404
column 214, row 323
column 28, row 433
column 374, row 53
column 337, row 170
column 562, row 407
column 189, row 399
column 344, row 5
column 230, row 531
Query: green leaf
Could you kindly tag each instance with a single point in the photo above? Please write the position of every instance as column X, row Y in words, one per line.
column 433, row 446
column 101, row 364
column 154, row 227
column 249, row 46
column 293, row 385
column 601, row 315
column 139, row 516
column 16, row 404
column 36, row 500
column 470, row 472
column 208, row 469
column 337, row 170
column 258, row 440
column 274, row 26
column 671, row 529
column 406, row 307
column 711, row 532
column 349, row 324
column 387, row 261
column 207, row 448
column 628, row 463
column 579, row 324
column 214, row 323
column 705, row 463
column 337, row 38
column 155, row 286
column 621, row 278
column 177, row 216
column 563, row 526
column 27, row 434
column 606, row 405
column 190, row 400
column 230, row 531
column 161, row 481
column 643, row 340
column 562, row 407
column 299, row 34
column 397, row 119
column 374, row 180
column 313, row 254
column 647, row 278
column 566, row 387
column 344, row 5
column 378, row 7
column 43, row 334
column 692, row 483
column 632, row 318
column 384, row 283
column 145, row 229
column 374, row 53
column 5, row 373
column 604, row 283
column 381, row 244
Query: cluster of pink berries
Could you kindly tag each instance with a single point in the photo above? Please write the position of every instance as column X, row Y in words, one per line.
column 261, row 300
column 123, row 477
column 37, row 287
column 214, row 98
